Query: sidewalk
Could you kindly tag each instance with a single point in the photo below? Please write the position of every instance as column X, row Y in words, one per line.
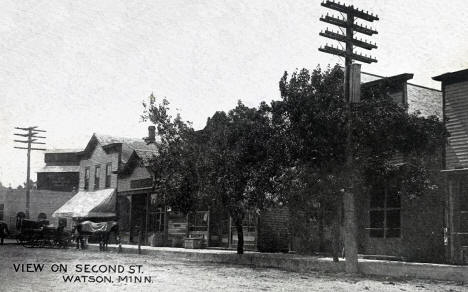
column 299, row 263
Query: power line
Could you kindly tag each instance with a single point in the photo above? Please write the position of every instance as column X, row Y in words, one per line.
column 32, row 138
column 349, row 14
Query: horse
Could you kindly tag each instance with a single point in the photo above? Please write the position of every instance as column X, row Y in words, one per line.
column 100, row 230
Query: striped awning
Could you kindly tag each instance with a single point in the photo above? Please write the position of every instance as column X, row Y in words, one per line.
column 99, row 203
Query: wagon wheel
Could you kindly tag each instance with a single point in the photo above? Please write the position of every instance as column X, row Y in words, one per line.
column 28, row 243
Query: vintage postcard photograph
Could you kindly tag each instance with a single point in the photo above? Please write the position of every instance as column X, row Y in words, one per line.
column 205, row 145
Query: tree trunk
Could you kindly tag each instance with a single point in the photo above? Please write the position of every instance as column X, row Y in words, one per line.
column 321, row 231
column 336, row 232
column 240, row 237
column 336, row 238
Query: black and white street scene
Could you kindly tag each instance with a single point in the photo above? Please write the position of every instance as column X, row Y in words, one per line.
column 274, row 145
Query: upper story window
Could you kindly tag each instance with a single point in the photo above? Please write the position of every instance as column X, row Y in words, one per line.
column 384, row 213
column 86, row 179
column 97, row 176
column 108, row 174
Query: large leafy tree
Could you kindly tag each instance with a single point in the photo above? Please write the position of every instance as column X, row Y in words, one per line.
column 313, row 111
column 240, row 162
column 175, row 166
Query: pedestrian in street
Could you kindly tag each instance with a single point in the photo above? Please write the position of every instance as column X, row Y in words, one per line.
column 3, row 231
column 78, row 236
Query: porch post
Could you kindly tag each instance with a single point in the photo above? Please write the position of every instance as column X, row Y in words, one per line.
column 130, row 221
column 147, row 218
column 230, row 233
column 208, row 230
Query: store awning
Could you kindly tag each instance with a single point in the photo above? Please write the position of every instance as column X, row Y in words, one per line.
column 99, row 203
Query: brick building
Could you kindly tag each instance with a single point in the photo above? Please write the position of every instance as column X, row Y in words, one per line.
column 390, row 223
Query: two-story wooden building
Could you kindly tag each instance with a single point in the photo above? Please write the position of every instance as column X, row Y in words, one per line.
column 99, row 163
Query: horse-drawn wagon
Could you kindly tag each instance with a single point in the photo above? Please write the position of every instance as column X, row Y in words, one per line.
column 41, row 234
column 98, row 231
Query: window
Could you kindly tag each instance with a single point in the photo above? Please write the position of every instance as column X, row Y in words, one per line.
column 97, row 175
column 86, row 179
column 108, row 174
column 384, row 213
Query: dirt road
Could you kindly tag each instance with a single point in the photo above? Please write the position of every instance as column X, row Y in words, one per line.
column 62, row 270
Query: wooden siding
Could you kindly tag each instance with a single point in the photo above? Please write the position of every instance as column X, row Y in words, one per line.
column 456, row 111
column 124, row 183
column 99, row 157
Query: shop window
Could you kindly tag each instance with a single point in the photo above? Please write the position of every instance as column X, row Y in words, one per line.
column 156, row 220
column 86, row 179
column 108, row 174
column 156, row 215
column 384, row 212
column 97, row 176
column 198, row 221
column 42, row 216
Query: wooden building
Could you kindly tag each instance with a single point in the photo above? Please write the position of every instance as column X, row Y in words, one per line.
column 455, row 100
column 99, row 163
column 61, row 171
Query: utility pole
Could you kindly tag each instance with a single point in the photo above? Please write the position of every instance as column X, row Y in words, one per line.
column 31, row 134
column 352, row 94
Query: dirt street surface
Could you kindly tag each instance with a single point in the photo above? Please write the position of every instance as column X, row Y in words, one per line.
column 65, row 270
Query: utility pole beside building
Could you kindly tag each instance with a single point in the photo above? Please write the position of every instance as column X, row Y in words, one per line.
column 31, row 136
column 352, row 95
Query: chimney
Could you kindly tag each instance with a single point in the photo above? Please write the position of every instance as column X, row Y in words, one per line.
column 151, row 134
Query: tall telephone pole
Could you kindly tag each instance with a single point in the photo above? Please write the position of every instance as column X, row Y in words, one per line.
column 31, row 136
column 348, row 22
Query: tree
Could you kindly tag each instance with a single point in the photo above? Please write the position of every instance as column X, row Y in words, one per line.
column 239, row 162
column 174, row 167
column 313, row 111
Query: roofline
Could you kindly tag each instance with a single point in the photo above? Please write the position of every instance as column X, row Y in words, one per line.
column 60, row 151
column 380, row 76
column 400, row 77
column 454, row 170
column 425, row 87
column 460, row 75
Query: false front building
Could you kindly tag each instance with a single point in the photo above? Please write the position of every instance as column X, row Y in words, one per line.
column 99, row 162
column 455, row 100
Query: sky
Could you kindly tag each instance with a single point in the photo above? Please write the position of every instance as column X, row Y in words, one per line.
column 78, row 67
